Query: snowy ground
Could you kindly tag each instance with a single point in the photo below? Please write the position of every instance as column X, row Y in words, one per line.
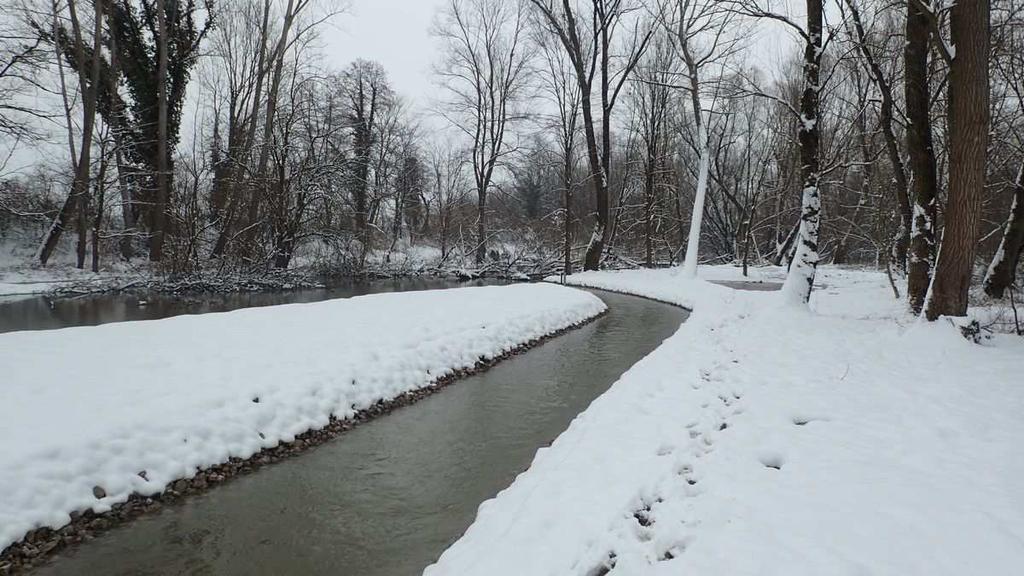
column 21, row 275
column 764, row 439
column 95, row 406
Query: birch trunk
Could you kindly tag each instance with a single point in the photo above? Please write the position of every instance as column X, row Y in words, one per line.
column 800, row 279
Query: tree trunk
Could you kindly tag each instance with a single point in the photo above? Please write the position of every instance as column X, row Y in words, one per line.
column 163, row 177
column 481, row 227
column 968, row 136
column 704, row 164
column 1002, row 272
column 922, row 157
column 567, row 232
column 82, row 217
column 97, row 223
column 649, row 206
column 800, row 279
column 697, row 216
column 127, row 207
column 599, row 181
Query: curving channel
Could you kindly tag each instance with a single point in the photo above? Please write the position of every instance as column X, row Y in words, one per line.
column 389, row 496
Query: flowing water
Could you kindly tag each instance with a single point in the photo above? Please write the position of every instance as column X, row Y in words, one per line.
column 389, row 496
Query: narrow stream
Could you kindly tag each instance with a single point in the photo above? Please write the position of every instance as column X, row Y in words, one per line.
column 389, row 496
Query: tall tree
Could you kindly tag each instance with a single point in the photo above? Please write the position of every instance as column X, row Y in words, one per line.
column 802, row 268
column 652, row 96
column 921, row 151
column 484, row 70
column 872, row 61
column 704, row 40
column 968, row 135
column 157, row 45
column 366, row 93
column 88, row 85
column 590, row 50
column 163, row 161
column 561, row 88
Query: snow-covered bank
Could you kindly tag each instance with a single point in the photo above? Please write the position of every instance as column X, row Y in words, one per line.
column 763, row 439
column 91, row 415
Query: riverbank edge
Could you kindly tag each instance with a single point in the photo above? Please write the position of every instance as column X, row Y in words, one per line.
column 689, row 309
column 36, row 546
column 201, row 283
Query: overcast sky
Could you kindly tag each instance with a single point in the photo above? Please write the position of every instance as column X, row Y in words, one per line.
column 395, row 33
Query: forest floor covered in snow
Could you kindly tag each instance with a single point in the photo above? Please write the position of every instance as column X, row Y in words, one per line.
column 847, row 439
column 91, row 416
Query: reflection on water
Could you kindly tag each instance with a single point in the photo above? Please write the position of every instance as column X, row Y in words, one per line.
column 43, row 313
column 388, row 497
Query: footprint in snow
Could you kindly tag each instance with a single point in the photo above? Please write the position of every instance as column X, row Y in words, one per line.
column 772, row 460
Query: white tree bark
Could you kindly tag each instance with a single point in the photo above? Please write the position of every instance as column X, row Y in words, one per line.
column 797, row 287
column 693, row 242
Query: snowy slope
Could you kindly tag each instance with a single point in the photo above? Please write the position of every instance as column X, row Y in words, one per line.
column 94, row 406
column 764, row 439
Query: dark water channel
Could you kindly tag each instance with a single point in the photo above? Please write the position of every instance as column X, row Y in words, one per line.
column 388, row 497
column 45, row 313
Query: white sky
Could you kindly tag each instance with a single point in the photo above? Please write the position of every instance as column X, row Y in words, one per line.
column 395, row 33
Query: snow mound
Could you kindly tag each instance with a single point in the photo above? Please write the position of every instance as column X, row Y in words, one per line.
column 85, row 411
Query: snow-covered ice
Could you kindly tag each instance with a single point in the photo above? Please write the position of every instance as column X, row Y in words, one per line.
column 95, row 406
column 848, row 439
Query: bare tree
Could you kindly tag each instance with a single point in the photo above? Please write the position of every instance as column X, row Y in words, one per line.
column 561, row 88
column 484, row 71
column 447, row 190
column 590, row 50
column 704, row 40
column 22, row 55
column 800, row 279
column 652, row 97
column 88, row 80
column 869, row 52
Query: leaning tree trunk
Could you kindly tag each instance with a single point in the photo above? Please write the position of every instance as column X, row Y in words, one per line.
column 968, row 136
column 922, row 158
column 800, row 279
column 1002, row 272
column 79, row 195
column 697, row 216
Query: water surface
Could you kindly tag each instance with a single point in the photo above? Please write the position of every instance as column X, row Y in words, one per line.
column 46, row 313
column 388, row 497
